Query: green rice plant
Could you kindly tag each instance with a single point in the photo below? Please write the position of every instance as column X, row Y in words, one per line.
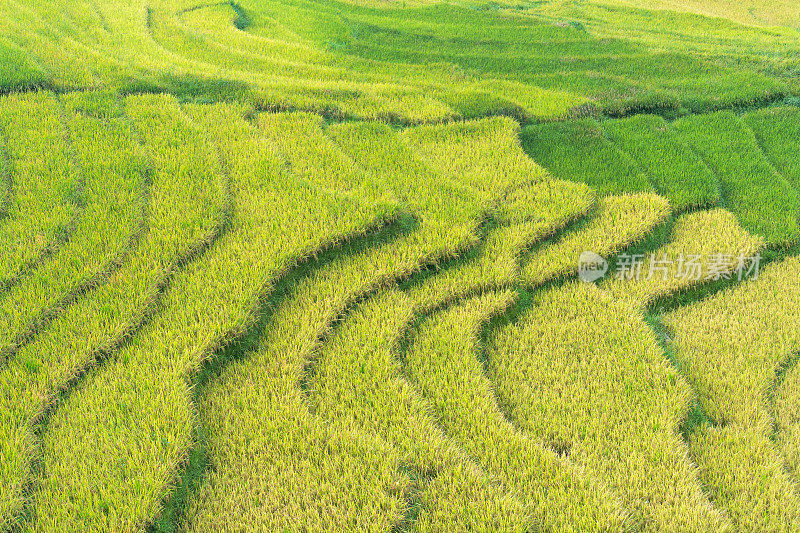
column 676, row 171
column 787, row 418
column 114, row 197
column 537, row 103
column 704, row 246
column 35, row 45
column 731, row 351
column 579, row 151
column 187, row 203
column 761, row 198
column 315, row 157
column 777, row 130
column 549, row 46
column 139, row 406
column 550, row 199
column 482, row 155
column 17, row 70
column 618, row 222
column 47, row 187
column 443, row 362
column 583, row 371
column 290, row 343
column 383, row 158
column 532, row 214
column 300, row 474
column 406, row 65
column 358, row 384
column 6, row 184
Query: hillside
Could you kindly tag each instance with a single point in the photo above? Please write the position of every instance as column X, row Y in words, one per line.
column 305, row 265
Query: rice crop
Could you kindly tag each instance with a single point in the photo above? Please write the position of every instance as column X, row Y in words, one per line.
column 47, row 187
column 97, row 324
column 776, row 130
column 580, row 151
column 676, row 172
column 114, row 202
column 443, row 362
column 309, row 265
column 752, row 189
column 481, row 155
column 731, row 352
column 292, row 340
column 787, row 420
column 703, row 247
column 356, row 388
column 528, row 216
column 619, row 221
column 583, row 371
column 206, row 306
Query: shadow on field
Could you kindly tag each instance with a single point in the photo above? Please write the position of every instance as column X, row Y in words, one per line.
column 197, row 466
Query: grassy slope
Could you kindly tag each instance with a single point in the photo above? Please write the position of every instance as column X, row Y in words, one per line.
column 430, row 63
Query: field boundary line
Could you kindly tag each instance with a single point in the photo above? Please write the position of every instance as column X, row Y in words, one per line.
column 277, row 291
column 101, row 355
column 62, row 234
column 767, row 157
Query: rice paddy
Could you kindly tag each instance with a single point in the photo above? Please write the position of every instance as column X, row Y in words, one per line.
column 423, row 266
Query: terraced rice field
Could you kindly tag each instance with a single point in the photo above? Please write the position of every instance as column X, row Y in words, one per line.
column 304, row 265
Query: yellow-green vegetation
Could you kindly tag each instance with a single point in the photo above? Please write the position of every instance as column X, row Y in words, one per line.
column 46, row 185
column 185, row 210
column 779, row 13
column 292, row 339
column 676, row 172
column 443, row 362
column 482, row 155
column 618, row 222
column 151, row 424
column 359, row 384
column 731, row 350
column 579, row 150
column 765, row 203
column 114, row 199
column 582, row 371
column 307, row 265
column 786, row 410
column 703, row 247
column 295, row 470
column 528, row 216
